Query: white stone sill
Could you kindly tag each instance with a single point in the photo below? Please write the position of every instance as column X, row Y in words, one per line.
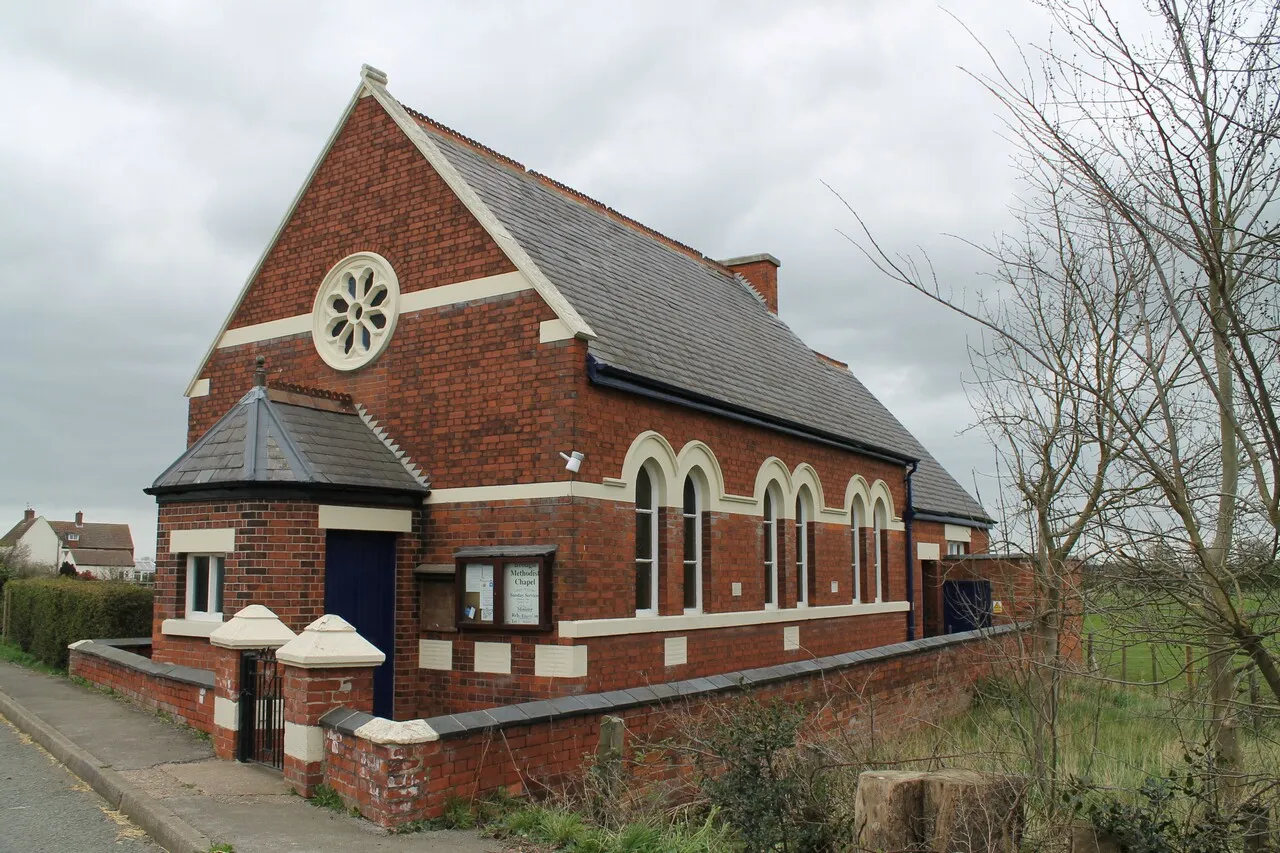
column 189, row 627
column 582, row 628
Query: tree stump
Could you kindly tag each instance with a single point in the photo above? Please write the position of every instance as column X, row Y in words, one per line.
column 888, row 812
column 947, row 811
column 970, row 812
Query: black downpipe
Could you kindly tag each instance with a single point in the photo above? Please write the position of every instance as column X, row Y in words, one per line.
column 908, row 518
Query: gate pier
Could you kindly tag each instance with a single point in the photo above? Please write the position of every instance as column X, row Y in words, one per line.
column 247, row 699
column 329, row 665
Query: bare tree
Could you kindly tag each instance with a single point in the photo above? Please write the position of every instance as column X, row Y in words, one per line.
column 1161, row 150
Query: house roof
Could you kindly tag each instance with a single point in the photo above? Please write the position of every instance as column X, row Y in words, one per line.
column 662, row 312
column 95, row 536
column 102, row 556
column 15, row 533
column 281, row 438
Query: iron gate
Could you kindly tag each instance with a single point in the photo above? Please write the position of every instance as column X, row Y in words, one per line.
column 261, row 709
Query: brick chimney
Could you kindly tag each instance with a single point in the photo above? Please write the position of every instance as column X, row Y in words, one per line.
column 29, row 515
column 762, row 272
column 79, row 519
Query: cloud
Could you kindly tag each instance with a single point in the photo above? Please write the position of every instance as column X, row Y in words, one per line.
column 150, row 150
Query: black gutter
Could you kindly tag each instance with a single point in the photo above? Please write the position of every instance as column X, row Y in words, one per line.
column 986, row 524
column 909, row 516
column 612, row 377
column 367, row 495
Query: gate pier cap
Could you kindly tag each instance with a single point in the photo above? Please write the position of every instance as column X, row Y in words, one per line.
column 254, row 627
column 327, row 643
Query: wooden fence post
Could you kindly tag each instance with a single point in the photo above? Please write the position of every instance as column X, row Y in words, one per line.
column 1155, row 678
column 1191, row 678
column 1090, row 661
column 1124, row 662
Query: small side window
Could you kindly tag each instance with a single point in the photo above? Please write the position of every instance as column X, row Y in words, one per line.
column 205, row 576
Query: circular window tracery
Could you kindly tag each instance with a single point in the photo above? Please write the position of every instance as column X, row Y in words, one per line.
column 355, row 311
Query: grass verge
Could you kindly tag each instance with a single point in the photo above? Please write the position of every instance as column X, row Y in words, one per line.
column 13, row 653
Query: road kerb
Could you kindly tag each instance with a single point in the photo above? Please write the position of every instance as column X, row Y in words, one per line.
column 166, row 828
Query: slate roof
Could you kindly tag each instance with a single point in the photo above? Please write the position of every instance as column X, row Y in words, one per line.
column 663, row 313
column 102, row 556
column 95, row 535
column 263, row 440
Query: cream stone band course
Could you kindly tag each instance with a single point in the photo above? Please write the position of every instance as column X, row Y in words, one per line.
column 419, row 300
column 582, row 628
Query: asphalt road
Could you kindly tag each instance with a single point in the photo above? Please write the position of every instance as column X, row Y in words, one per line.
column 46, row 809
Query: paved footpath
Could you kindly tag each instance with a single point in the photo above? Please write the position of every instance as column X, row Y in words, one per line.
column 166, row 780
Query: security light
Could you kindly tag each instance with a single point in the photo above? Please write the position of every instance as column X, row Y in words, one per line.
column 573, row 463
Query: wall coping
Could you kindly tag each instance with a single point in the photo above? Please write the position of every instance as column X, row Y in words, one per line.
column 172, row 671
column 361, row 724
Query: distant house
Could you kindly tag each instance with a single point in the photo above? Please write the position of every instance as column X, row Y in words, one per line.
column 105, row 550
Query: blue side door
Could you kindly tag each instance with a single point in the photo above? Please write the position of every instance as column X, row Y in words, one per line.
column 966, row 605
column 360, row 586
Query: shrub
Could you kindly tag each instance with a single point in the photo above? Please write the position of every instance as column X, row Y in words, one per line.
column 763, row 785
column 46, row 615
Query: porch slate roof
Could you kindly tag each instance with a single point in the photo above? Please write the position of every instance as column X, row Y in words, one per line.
column 265, row 441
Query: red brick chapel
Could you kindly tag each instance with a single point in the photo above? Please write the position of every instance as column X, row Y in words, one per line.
column 530, row 447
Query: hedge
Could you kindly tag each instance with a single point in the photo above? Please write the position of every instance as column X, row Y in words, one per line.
column 48, row 614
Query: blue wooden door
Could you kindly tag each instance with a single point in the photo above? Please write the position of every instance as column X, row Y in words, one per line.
column 966, row 605
column 360, row 586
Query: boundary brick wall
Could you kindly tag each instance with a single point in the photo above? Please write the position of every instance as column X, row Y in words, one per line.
column 524, row 747
column 184, row 693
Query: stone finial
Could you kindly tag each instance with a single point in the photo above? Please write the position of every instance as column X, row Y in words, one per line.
column 254, row 627
column 376, row 75
column 330, row 642
column 260, row 372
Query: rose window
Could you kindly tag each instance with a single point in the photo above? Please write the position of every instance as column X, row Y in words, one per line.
column 355, row 311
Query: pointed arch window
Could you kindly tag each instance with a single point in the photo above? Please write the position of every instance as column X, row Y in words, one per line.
column 803, row 557
column 646, row 545
column 769, row 529
column 882, row 581
column 858, row 522
column 692, row 513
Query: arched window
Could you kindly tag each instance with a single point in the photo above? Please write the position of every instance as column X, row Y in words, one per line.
column 802, row 548
column 882, row 581
column 646, row 545
column 859, row 521
column 769, row 527
column 692, row 546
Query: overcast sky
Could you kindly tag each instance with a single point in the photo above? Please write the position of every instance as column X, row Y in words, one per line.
column 150, row 149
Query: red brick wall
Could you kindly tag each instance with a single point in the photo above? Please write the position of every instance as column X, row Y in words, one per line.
column 393, row 785
column 278, row 563
column 181, row 700
column 638, row 659
column 373, row 192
